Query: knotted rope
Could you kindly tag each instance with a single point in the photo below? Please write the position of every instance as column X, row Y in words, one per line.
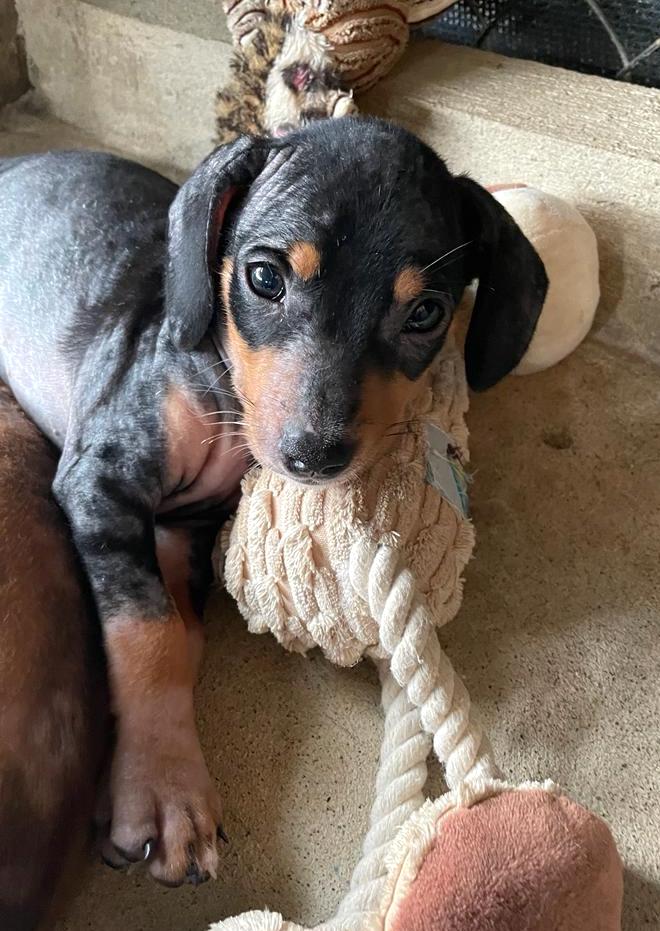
column 424, row 701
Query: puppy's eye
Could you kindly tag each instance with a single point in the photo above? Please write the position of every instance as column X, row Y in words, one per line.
column 425, row 316
column 265, row 280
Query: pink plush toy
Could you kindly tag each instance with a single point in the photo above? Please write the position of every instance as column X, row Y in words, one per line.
column 527, row 860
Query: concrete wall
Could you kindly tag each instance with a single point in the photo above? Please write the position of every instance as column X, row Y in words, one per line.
column 13, row 72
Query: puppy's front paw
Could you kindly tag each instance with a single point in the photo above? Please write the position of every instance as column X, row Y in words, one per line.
column 165, row 810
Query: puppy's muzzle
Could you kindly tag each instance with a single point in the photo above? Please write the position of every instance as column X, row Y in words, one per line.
column 310, row 456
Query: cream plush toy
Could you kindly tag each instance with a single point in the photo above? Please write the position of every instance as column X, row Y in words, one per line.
column 373, row 568
column 567, row 245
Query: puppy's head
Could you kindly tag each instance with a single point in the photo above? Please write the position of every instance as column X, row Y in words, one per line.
column 329, row 264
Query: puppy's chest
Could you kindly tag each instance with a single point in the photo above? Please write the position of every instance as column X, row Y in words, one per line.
column 205, row 451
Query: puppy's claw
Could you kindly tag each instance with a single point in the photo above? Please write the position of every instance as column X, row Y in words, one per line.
column 169, row 883
column 132, row 856
column 221, row 834
column 147, row 849
column 111, row 856
column 112, row 864
column 195, row 876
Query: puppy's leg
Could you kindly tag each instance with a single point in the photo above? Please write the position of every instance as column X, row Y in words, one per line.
column 184, row 558
column 164, row 804
column 52, row 683
column 185, row 561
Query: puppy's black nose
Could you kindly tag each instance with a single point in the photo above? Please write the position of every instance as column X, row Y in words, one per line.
column 308, row 455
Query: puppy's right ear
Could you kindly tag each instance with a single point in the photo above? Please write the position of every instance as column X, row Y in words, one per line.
column 513, row 285
column 194, row 227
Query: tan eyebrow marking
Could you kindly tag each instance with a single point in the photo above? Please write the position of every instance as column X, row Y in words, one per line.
column 225, row 279
column 408, row 284
column 305, row 259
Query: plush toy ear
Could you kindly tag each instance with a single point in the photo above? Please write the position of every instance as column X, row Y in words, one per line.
column 194, row 227
column 512, row 288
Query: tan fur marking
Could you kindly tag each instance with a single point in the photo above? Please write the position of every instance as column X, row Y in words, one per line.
column 185, row 429
column 181, row 412
column 225, row 279
column 254, row 365
column 384, row 403
column 147, row 657
column 174, row 549
column 151, row 665
column 408, row 284
column 305, row 260
column 265, row 379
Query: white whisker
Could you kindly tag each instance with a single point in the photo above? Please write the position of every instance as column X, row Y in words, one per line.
column 212, row 366
column 435, row 291
column 225, row 433
column 235, row 447
column 202, row 387
column 447, row 254
column 223, row 423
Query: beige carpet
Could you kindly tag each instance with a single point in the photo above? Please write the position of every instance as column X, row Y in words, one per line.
column 558, row 638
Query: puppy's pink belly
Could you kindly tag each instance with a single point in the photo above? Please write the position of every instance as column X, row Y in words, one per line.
column 217, row 477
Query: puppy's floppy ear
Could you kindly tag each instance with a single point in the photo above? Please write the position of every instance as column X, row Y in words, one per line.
column 512, row 287
column 194, row 225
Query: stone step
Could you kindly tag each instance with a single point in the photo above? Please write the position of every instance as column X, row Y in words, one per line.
column 130, row 73
column 141, row 76
column 203, row 18
column 25, row 126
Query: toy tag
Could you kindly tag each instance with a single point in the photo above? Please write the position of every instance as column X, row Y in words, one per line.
column 444, row 470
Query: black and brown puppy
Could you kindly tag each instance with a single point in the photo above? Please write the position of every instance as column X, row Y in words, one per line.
column 288, row 297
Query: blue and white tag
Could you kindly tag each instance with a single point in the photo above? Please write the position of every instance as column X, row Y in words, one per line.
column 444, row 470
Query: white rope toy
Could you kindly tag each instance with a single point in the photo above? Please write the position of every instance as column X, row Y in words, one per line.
column 326, row 567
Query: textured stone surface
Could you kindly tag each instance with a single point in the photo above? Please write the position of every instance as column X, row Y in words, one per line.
column 13, row 72
column 199, row 17
column 559, row 635
column 144, row 88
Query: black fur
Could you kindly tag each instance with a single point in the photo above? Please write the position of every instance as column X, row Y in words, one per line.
column 512, row 288
column 193, row 235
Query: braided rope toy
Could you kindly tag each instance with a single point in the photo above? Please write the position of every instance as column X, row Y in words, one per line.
column 372, row 568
